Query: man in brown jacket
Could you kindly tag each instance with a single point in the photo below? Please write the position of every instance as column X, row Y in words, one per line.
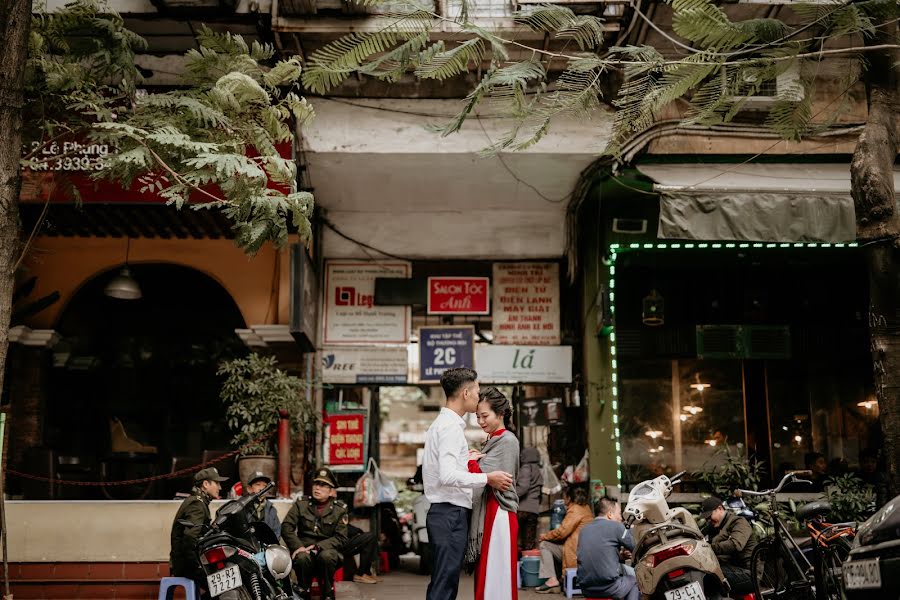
column 560, row 545
column 732, row 539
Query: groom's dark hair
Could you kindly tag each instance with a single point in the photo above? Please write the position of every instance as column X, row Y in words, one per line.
column 454, row 379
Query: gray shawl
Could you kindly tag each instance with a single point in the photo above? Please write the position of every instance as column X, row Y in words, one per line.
column 501, row 453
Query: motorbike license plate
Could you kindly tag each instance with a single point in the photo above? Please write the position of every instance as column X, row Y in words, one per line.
column 224, row 580
column 862, row 574
column 692, row 591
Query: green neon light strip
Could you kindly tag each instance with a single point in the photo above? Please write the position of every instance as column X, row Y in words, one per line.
column 614, row 249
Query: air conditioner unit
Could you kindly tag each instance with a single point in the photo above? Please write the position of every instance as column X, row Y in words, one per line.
column 786, row 86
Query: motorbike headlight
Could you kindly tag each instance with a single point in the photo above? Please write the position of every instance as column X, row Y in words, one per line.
column 278, row 561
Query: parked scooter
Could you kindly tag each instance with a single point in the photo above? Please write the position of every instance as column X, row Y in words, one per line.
column 242, row 557
column 672, row 560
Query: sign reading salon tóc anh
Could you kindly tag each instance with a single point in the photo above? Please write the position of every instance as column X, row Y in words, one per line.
column 459, row 296
column 351, row 316
column 442, row 348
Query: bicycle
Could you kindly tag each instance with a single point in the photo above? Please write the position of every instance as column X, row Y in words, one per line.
column 783, row 570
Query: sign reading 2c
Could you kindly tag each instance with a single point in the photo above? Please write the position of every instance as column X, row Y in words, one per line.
column 442, row 348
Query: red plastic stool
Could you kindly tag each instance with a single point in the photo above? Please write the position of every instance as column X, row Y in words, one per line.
column 384, row 563
column 748, row 597
column 316, row 591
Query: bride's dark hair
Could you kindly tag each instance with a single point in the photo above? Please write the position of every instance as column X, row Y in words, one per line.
column 498, row 402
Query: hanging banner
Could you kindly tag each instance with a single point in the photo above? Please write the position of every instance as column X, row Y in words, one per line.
column 526, row 304
column 523, row 364
column 351, row 316
column 365, row 365
column 344, row 447
column 442, row 348
column 459, row 296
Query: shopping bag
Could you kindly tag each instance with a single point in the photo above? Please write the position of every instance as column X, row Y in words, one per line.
column 366, row 493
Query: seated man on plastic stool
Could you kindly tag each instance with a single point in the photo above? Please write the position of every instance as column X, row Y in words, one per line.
column 315, row 531
column 601, row 547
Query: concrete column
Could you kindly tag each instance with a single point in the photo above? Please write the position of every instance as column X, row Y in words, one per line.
column 599, row 388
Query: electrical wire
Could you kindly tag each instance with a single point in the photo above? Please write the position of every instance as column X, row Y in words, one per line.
column 353, row 240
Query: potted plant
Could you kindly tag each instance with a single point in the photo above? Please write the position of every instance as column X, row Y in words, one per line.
column 254, row 392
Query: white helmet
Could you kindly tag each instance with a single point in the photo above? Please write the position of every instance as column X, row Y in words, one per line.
column 278, row 561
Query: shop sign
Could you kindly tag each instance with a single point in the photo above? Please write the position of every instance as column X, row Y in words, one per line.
column 442, row 348
column 459, row 296
column 523, row 364
column 351, row 316
column 365, row 365
column 345, row 440
column 526, row 304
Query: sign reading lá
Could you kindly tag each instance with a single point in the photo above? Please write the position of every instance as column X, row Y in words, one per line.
column 523, row 364
column 526, row 304
column 351, row 316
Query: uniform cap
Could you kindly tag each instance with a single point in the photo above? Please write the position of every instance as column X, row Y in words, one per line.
column 257, row 475
column 208, row 474
column 325, row 476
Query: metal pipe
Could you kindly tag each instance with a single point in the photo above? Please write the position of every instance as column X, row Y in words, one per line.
column 284, row 455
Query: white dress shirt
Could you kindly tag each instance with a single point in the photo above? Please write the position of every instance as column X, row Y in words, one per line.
column 445, row 466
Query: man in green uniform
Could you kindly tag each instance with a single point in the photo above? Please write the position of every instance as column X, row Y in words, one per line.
column 183, row 560
column 315, row 530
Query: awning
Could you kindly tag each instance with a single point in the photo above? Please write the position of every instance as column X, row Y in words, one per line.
column 758, row 202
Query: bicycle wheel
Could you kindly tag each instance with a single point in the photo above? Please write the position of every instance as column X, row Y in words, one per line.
column 775, row 575
column 828, row 574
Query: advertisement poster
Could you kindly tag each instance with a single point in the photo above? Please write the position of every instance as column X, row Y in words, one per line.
column 388, row 364
column 442, row 348
column 351, row 317
column 459, row 296
column 345, row 440
column 526, row 304
column 523, row 364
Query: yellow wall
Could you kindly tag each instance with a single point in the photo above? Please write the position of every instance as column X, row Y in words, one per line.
column 259, row 285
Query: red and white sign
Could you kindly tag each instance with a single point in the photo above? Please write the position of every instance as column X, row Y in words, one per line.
column 345, row 439
column 526, row 304
column 459, row 296
column 351, row 316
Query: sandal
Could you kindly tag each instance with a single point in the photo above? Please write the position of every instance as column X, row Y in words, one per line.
column 544, row 589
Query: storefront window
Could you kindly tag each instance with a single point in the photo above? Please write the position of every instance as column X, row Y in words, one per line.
column 676, row 413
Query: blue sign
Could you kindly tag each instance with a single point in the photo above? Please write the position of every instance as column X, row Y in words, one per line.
column 442, row 348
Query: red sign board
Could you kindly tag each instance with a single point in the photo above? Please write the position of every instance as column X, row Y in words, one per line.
column 346, row 439
column 459, row 296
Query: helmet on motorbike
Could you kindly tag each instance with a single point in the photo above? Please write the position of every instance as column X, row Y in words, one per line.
column 278, row 561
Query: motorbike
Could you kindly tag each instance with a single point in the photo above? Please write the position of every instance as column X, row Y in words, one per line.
column 872, row 570
column 672, row 559
column 241, row 557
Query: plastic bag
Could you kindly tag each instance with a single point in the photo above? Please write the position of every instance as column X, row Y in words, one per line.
column 366, row 493
column 581, row 472
column 386, row 490
column 551, row 481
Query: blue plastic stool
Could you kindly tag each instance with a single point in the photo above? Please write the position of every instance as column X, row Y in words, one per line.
column 168, row 585
column 569, row 584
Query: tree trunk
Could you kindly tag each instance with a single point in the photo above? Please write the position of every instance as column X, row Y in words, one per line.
column 878, row 229
column 15, row 22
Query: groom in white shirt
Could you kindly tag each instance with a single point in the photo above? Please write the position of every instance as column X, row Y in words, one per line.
column 448, row 483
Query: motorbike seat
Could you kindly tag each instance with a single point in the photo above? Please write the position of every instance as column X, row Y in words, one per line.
column 813, row 509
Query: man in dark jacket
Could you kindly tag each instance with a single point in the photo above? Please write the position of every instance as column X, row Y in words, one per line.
column 732, row 539
column 602, row 545
column 528, row 487
column 315, row 531
column 183, row 560
column 264, row 510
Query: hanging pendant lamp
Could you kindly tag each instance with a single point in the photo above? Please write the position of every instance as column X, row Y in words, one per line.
column 123, row 286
